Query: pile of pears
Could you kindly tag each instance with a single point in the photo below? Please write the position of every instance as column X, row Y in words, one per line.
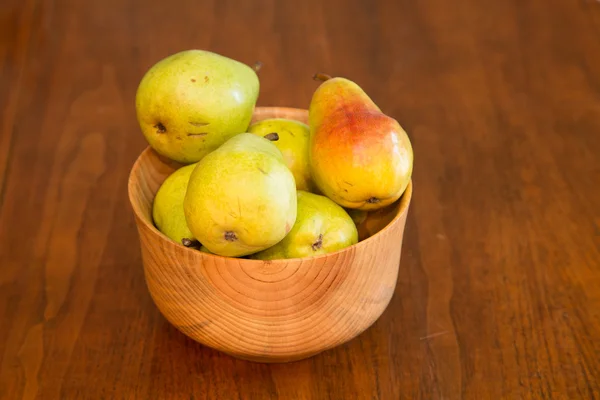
column 272, row 189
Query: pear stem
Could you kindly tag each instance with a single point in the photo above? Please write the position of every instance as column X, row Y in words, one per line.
column 192, row 243
column 160, row 128
column 230, row 236
column 257, row 66
column 273, row 136
column 319, row 76
column 318, row 244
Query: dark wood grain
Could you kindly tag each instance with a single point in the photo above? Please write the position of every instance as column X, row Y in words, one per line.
column 499, row 287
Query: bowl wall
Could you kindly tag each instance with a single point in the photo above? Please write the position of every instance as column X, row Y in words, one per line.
column 266, row 311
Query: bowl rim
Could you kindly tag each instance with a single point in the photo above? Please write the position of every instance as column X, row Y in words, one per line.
column 405, row 200
column 264, row 109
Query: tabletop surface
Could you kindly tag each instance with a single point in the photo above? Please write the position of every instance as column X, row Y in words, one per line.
column 498, row 294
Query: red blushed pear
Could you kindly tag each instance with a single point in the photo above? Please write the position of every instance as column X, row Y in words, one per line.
column 359, row 157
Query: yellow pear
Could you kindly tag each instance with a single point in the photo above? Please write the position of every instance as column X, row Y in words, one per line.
column 167, row 207
column 241, row 198
column 321, row 227
column 291, row 138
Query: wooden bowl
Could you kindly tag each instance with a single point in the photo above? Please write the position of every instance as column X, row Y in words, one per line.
column 266, row 311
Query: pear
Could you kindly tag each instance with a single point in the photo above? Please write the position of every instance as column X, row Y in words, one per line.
column 358, row 216
column 241, row 198
column 358, row 156
column 167, row 207
column 321, row 227
column 291, row 138
column 204, row 249
column 191, row 102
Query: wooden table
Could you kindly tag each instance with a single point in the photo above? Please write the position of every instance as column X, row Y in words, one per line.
column 499, row 287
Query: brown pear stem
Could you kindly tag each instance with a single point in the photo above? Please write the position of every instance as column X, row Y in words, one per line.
column 191, row 243
column 230, row 236
column 257, row 66
column 318, row 244
column 319, row 76
column 273, row 136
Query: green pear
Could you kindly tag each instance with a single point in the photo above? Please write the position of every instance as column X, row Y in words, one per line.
column 291, row 138
column 241, row 198
column 167, row 207
column 191, row 102
column 358, row 216
column 321, row 227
